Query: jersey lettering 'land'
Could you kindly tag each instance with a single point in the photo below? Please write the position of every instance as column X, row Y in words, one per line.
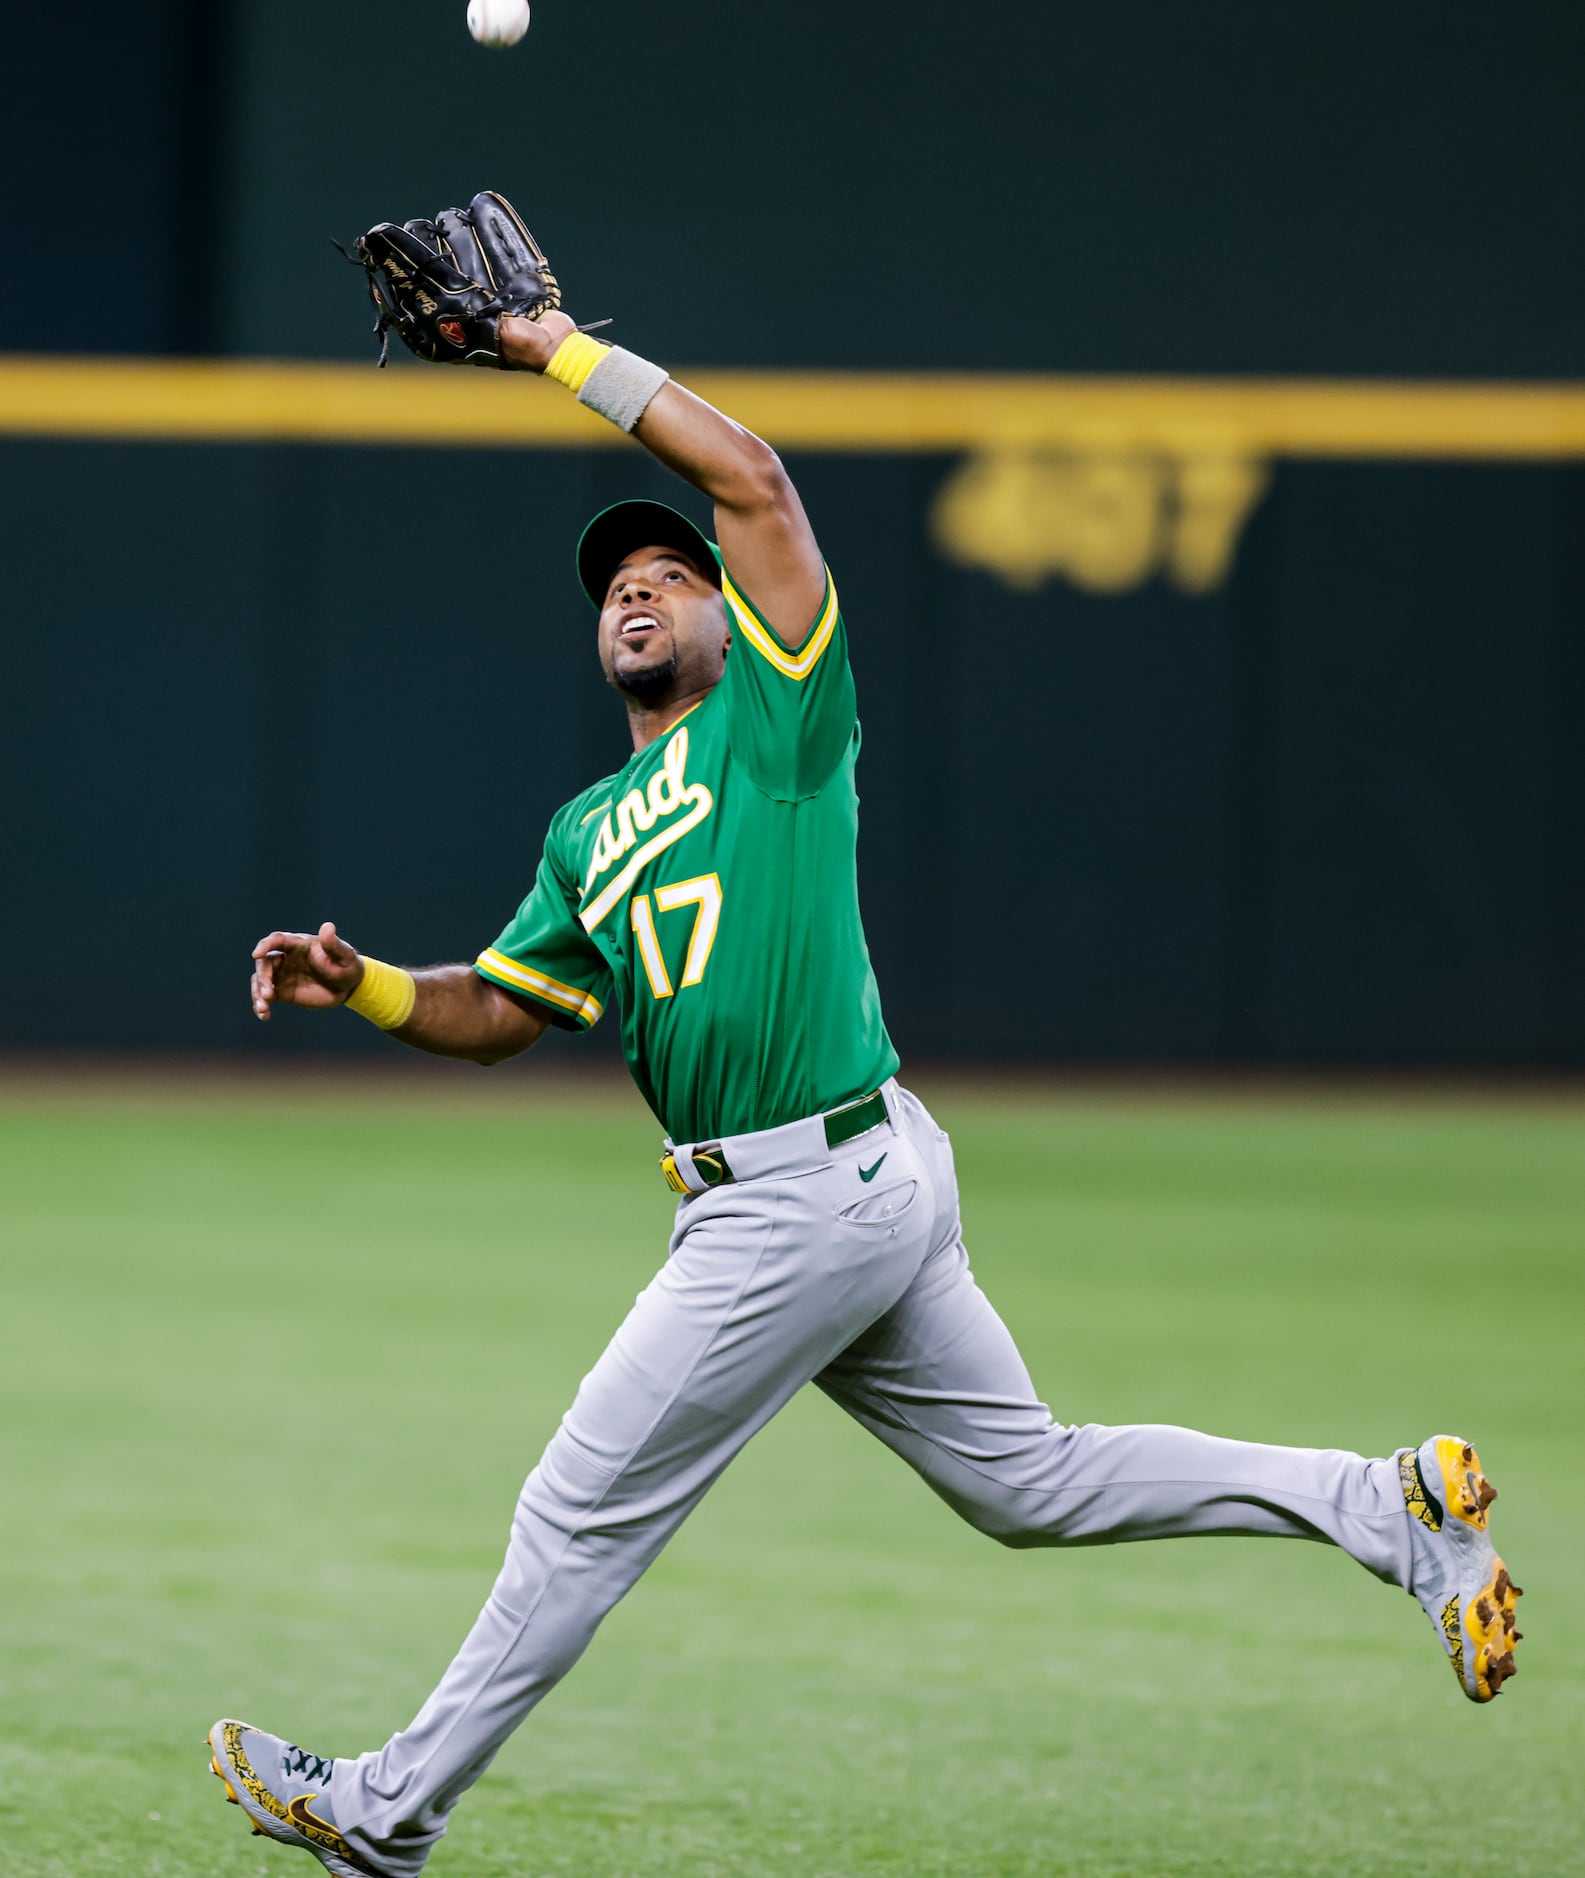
column 711, row 887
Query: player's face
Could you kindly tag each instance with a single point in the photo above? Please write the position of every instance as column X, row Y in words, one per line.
column 663, row 631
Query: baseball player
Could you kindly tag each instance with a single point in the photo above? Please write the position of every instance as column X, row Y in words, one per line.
column 708, row 888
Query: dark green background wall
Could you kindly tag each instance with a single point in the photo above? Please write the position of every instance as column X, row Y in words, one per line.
column 1330, row 813
column 1333, row 811
column 1145, row 186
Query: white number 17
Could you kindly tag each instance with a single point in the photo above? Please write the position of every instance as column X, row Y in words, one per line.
column 703, row 893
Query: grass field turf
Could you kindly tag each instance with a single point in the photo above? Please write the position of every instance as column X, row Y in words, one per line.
column 276, row 1361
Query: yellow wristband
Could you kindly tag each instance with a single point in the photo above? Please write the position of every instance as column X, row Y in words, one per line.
column 384, row 995
column 574, row 359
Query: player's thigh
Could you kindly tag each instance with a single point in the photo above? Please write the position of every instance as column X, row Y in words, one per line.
column 666, row 1349
column 764, row 1285
column 939, row 1373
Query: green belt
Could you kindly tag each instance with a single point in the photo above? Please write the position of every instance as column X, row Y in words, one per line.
column 843, row 1124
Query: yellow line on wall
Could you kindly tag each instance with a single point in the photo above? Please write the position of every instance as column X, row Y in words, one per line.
column 252, row 400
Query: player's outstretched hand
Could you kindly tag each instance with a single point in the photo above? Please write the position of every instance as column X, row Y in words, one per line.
column 529, row 345
column 317, row 970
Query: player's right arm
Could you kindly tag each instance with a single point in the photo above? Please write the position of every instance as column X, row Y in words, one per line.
column 759, row 520
column 455, row 1011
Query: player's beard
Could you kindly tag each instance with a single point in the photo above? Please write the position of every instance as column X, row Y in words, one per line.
column 650, row 683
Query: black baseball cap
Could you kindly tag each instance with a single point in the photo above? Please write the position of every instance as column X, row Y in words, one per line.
column 615, row 532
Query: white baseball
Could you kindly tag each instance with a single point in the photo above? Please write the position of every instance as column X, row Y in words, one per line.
column 498, row 22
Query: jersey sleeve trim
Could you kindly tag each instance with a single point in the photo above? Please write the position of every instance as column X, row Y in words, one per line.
column 795, row 665
column 514, row 976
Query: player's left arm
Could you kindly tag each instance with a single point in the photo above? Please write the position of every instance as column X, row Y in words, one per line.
column 765, row 536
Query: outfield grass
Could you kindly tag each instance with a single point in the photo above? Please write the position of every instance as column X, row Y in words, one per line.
column 276, row 1362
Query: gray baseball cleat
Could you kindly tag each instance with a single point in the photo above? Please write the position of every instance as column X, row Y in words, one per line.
column 285, row 1791
column 1460, row 1581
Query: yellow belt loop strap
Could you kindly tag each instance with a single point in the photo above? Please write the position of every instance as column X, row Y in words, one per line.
column 384, row 995
column 674, row 1180
column 574, row 359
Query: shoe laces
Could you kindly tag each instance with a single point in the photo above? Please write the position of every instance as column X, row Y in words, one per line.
column 306, row 1766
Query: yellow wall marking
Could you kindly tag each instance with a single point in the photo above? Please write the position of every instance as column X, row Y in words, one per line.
column 1106, row 521
column 253, row 400
column 1104, row 481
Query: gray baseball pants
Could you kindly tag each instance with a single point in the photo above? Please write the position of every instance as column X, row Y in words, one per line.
column 803, row 1271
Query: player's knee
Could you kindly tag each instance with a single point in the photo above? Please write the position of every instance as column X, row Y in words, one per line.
column 998, row 1515
column 1018, row 1520
column 1016, row 1530
column 1018, row 1501
column 1024, row 1538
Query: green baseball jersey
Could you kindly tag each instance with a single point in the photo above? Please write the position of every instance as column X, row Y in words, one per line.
column 711, row 885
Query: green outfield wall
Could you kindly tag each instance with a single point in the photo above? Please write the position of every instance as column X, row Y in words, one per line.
column 1191, row 403
column 1140, row 187
column 1169, row 757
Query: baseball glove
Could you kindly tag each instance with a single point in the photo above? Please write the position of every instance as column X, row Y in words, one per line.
column 443, row 285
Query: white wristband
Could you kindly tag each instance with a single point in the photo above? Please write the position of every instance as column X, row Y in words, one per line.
column 621, row 386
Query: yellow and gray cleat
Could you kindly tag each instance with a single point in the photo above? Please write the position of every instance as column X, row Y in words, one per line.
column 1460, row 1581
column 285, row 1791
